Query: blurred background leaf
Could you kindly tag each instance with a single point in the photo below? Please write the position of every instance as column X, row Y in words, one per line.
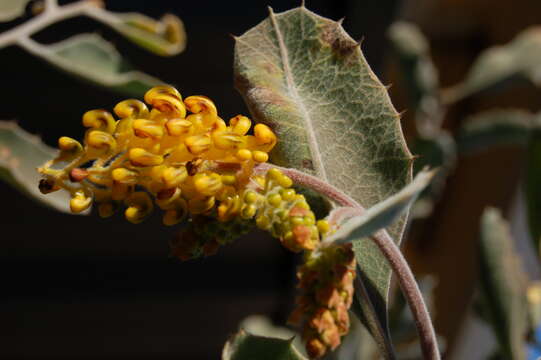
column 245, row 346
column 11, row 9
column 485, row 130
column 20, row 154
column 91, row 58
column 503, row 285
column 519, row 58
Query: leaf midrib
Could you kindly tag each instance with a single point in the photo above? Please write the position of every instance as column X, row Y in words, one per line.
column 317, row 159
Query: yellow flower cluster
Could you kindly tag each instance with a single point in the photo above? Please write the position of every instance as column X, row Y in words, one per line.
column 181, row 156
column 269, row 201
column 326, row 282
column 180, row 152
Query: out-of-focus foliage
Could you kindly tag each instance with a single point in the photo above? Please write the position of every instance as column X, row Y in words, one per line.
column 20, row 154
column 503, row 284
column 519, row 58
column 89, row 56
column 245, row 346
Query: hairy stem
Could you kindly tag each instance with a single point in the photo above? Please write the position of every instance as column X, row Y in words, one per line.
column 391, row 252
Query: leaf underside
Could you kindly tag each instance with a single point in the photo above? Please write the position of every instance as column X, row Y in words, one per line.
column 91, row 58
column 20, row 155
column 245, row 346
column 302, row 75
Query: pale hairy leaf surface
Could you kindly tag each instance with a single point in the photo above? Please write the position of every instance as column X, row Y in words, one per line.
column 20, row 154
column 165, row 37
column 382, row 214
column 245, row 346
column 495, row 128
column 519, row 58
column 503, row 285
column 306, row 78
column 91, row 58
column 11, row 9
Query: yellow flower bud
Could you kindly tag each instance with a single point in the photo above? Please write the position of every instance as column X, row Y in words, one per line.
column 100, row 140
column 147, row 129
column 141, row 157
column 176, row 214
column 244, row 154
column 131, row 108
column 250, row 197
column 99, row 120
column 166, row 99
column 139, row 207
column 178, row 127
column 80, row 202
column 240, row 124
column 167, row 199
column 264, row 135
column 229, row 179
column 198, row 144
column 201, row 205
column 173, row 176
column 288, row 194
column 208, row 185
column 202, row 104
column 274, row 200
column 323, row 226
column 124, row 176
column 263, row 222
column 260, row 156
column 248, row 211
column 226, row 140
column 69, row 145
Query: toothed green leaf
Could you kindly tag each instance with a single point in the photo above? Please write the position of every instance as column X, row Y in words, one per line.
column 302, row 75
column 20, row 154
column 245, row 346
column 91, row 58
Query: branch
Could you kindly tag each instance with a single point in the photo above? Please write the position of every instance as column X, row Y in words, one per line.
column 54, row 13
column 388, row 248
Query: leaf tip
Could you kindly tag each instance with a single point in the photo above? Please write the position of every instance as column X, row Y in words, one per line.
column 270, row 10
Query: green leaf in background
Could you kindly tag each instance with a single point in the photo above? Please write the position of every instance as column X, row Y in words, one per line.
column 420, row 74
column 90, row 57
column 306, row 78
column 382, row 214
column 503, row 285
column 245, row 346
column 166, row 37
column 437, row 151
column 11, row 9
column 533, row 181
column 20, row 155
column 519, row 58
column 494, row 128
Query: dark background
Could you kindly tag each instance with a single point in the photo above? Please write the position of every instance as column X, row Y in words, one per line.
column 80, row 287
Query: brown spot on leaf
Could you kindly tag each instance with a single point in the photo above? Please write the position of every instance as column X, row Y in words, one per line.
column 342, row 47
column 308, row 164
